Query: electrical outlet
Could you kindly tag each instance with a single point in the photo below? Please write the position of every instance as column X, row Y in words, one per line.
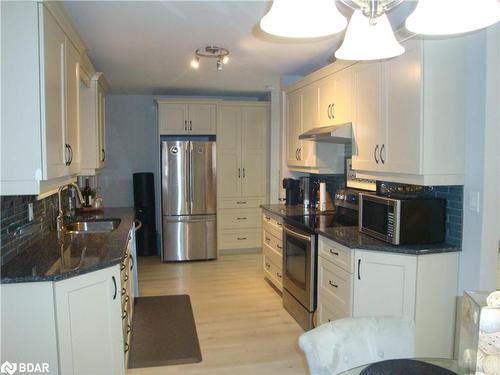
column 474, row 201
column 30, row 212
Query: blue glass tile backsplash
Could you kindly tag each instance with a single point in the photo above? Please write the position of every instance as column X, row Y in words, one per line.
column 454, row 196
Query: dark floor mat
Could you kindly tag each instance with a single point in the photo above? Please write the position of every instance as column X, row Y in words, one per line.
column 163, row 332
column 405, row 367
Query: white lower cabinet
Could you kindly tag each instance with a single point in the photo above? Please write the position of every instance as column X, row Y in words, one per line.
column 272, row 249
column 89, row 324
column 373, row 283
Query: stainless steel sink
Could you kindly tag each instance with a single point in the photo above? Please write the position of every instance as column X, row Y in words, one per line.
column 93, row 226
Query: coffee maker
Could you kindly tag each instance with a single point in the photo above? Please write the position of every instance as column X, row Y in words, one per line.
column 309, row 187
column 292, row 188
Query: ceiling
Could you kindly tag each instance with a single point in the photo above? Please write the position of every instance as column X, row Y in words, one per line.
column 146, row 46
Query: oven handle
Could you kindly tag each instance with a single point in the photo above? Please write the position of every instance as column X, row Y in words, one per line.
column 296, row 234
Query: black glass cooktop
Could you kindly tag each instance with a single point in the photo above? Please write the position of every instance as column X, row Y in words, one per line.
column 313, row 222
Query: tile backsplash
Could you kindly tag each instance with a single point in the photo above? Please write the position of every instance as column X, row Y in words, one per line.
column 14, row 216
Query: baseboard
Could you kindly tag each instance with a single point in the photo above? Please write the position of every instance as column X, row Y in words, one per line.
column 254, row 250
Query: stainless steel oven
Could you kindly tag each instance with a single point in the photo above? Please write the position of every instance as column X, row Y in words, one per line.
column 299, row 274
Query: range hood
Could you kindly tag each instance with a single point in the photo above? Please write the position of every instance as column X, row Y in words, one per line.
column 341, row 133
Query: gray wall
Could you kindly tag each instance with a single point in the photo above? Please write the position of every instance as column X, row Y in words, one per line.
column 130, row 146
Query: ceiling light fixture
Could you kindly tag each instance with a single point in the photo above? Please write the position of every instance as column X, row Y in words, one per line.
column 219, row 53
column 447, row 17
column 303, row 19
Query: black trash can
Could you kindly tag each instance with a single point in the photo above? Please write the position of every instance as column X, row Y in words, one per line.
column 144, row 204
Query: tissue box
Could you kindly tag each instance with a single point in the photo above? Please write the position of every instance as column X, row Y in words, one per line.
column 480, row 333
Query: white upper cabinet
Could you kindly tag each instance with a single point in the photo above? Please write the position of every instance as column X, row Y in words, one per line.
column 186, row 118
column 92, row 124
column 294, row 127
column 400, row 133
column 41, row 140
column 334, row 96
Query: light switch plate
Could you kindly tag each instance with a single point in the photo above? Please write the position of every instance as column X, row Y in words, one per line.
column 474, row 201
column 30, row 212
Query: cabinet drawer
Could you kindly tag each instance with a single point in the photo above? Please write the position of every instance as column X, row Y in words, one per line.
column 272, row 225
column 241, row 239
column 327, row 312
column 273, row 273
column 335, row 284
column 273, row 256
column 239, row 203
column 272, row 241
column 338, row 254
column 234, row 219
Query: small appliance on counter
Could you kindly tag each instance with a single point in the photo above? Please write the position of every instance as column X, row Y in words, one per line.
column 404, row 221
column 292, row 188
column 309, row 187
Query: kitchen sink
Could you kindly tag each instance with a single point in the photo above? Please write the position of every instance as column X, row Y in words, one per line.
column 93, row 226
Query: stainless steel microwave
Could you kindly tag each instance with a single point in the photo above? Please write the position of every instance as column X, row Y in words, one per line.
column 408, row 221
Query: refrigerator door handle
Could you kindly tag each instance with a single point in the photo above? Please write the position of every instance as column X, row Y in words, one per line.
column 190, row 175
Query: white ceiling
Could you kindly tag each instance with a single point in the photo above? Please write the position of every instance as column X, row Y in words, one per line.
column 146, row 46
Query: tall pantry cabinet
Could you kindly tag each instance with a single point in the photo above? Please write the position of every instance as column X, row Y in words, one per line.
column 242, row 173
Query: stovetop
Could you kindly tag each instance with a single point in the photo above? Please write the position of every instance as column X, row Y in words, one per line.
column 314, row 222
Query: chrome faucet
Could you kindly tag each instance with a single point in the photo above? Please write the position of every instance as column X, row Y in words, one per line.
column 60, row 216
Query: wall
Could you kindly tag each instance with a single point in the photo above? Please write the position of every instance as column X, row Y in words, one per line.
column 130, row 146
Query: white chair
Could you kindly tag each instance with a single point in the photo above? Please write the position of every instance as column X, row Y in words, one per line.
column 346, row 343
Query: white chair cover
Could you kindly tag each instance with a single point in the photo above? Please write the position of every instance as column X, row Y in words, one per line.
column 346, row 343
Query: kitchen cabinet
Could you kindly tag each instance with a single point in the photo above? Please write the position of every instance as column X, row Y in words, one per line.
column 305, row 110
column 272, row 249
column 92, row 119
column 43, row 62
column 355, row 282
column 335, row 95
column 88, row 309
column 242, row 172
column 186, row 118
column 407, row 109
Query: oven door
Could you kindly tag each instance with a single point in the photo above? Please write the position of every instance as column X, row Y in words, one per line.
column 299, row 265
column 379, row 217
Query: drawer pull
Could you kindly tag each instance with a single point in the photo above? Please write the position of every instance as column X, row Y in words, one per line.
column 268, row 265
column 329, row 320
column 267, row 218
column 124, row 315
column 241, row 202
column 127, row 298
column 279, row 224
column 123, row 291
column 125, row 278
column 241, row 238
column 241, row 218
column 334, row 252
column 128, row 328
column 279, row 247
column 268, row 239
column 332, row 284
column 127, row 347
column 278, row 274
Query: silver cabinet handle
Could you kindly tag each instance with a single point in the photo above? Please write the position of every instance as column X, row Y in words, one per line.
column 103, row 155
column 239, row 172
column 242, row 202
column 328, row 111
column 185, row 125
column 375, row 154
column 279, row 247
column 297, row 153
column 359, row 269
column 243, row 172
column 381, row 153
column 300, row 153
column 66, row 154
column 241, row 218
column 334, row 252
column 190, row 125
column 241, row 238
column 268, row 265
column 268, row 239
column 267, row 218
column 332, row 110
column 278, row 274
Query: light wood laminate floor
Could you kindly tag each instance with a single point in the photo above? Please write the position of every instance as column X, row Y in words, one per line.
column 241, row 324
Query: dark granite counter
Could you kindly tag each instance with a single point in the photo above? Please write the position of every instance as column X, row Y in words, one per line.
column 52, row 259
column 353, row 239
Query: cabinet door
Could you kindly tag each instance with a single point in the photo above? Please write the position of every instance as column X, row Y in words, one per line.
column 294, row 127
column 229, row 173
column 342, row 109
column 89, row 323
column 101, row 125
column 307, row 149
column 384, row 284
column 254, row 135
column 202, row 119
column 54, row 145
column 368, row 124
column 173, row 118
column 72, row 106
column 326, row 96
column 402, row 152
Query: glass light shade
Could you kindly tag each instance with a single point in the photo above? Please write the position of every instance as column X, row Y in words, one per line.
column 303, row 19
column 446, row 17
column 364, row 41
column 195, row 63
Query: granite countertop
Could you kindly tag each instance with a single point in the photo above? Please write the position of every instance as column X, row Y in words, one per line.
column 352, row 238
column 287, row 211
column 51, row 259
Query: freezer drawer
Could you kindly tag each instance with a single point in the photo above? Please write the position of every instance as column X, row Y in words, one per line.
column 189, row 237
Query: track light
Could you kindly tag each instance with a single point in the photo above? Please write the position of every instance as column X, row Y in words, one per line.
column 195, row 62
column 225, row 59
column 221, row 54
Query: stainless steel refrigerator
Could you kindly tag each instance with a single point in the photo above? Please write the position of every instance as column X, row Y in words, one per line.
column 189, row 200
